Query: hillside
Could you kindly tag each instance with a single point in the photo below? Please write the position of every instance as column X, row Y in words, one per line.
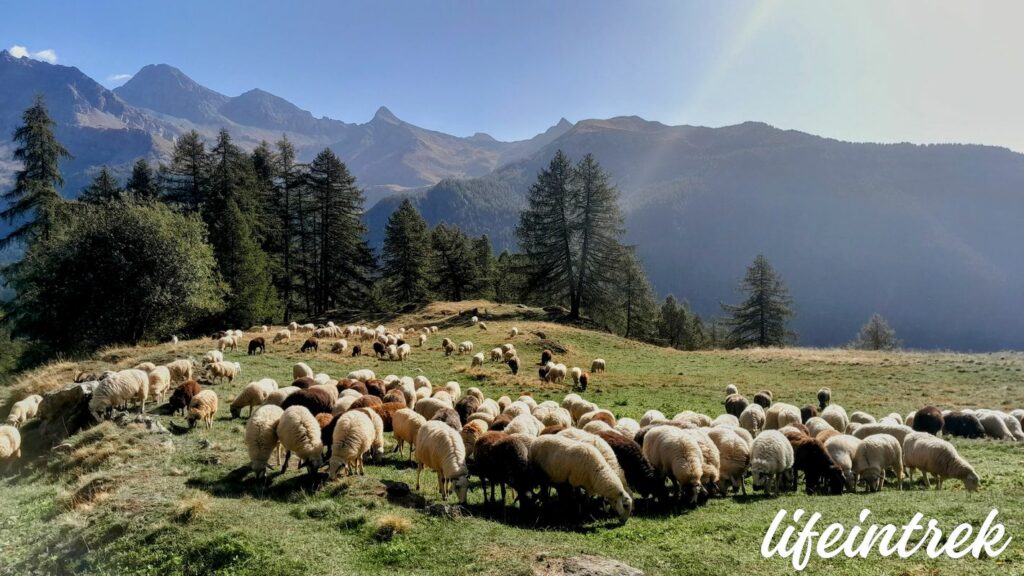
column 121, row 500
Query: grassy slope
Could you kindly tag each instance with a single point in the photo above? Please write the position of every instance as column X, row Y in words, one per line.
column 122, row 501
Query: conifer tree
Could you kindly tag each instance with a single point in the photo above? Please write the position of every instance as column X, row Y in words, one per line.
column 483, row 261
column 760, row 320
column 35, row 199
column 600, row 226
column 454, row 271
column 406, row 255
column 288, row 187
column 103, row 188
column 876, row 335
column 142, row 184
column 184, row 180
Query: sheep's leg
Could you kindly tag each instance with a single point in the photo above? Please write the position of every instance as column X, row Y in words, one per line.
column 502, row 494
column 927, row 484
column 419, row 470
column 287, row 457
column 939, row 485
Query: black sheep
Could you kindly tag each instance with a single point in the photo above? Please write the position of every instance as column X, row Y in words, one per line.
column 182, row 396
column 379, row 350
column 513, row 364
column 928, row 419
column 963, row 425
column 735, row 404
column 466, row 406
column 316, row 400
column 821, row 475
column 640, row 475
column 808, row 412
column 499, row 423
column 763, row 399
column 357, row 350
column 257, row 344
column 824, row 397
column 545, row 357
column 503, row 459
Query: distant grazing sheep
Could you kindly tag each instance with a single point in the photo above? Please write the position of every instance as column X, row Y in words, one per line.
column 763, row 399
column 310, row 344
column 824, row 397
column 257, row 345
column 223, row 371
column 598, row 365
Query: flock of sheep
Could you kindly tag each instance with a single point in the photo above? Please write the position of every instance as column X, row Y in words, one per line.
column 577, row 447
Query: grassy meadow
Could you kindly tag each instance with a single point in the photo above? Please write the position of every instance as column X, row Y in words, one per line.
column 123, row 501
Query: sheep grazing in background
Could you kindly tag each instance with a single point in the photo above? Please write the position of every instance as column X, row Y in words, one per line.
column 300, row 370
column 513, row 332
column 928, row 419
column 465, row 347
column 474, row 319
column 779, row 415
column 807, row 412
column 824, row 397
column 339, row 347
column 213, row 356
column 146, row 367
column 310, row 344
column 731, row 389
column 357, row 351
column 299, row 432
column 223, row 371
column 598, row 365
column 583, row 383
column 379, row 350
column 477, row 361
column 227, row 342
column 181, row 370
column 513, row 364
column 735, row 404
column 440, row 448
column 422, row 339
column 963, row 425
column 555, row 373
column 261, row 438
column 282, row 336
column 482, row 325
column 545, row 357
column 24, row 410
column 763, row 399
column 117, row 388
column 932, row 455
column 203, row 407
column 836, row 416
column 182, row 396
column 159, row 382
column 257, row 345
column 860, row 417
column 575, row 372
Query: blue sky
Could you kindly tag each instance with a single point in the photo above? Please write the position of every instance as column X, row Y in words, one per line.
column 871, row 70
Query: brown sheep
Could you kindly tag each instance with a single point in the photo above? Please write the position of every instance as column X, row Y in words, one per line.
column 356, row 385
column 449, row 417
column 304, row 382
column 500, row 422
column 928, row 419
column 807, row 412
column 182, row 396
column 387, row 411
column 376, row 387
column 466, row 406
column 545, row 357
column 513, row 364
column 357, row 350
column 310, row 344
column 394, row 397
column 257, row 345
column 503, row 459
column 553, row 429
column 316, row 400
column 584, row 382
column 763, row 399
column 735, row 404
column 379, row 350
column 366, row 401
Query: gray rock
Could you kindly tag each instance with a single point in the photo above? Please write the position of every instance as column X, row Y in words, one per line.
column 584, row 565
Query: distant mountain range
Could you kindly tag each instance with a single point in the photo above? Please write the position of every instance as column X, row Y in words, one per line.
column 929, row 236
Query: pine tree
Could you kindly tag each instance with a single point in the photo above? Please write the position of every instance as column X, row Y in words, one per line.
column 104, row 187
column 876, row 335
column 342, row 261
column 636, row 299
column 600, row 227
column 142, row 184
column 508, row 281
column 545, row 232
column 406, row 255
column 760, row 320
column 34, row 196
column 483, row 261
column 672, row 319
column 184, row 181
column 290, row 180
column 454, row 271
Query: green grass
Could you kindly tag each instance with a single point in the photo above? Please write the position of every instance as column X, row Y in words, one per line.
column 161, row 504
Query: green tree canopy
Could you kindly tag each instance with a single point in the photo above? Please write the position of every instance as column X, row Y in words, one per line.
column 760, row 320
column 104, row 187
column 142, row 184
column 406, row 255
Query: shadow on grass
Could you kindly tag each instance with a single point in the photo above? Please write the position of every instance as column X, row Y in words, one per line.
column 240, row 483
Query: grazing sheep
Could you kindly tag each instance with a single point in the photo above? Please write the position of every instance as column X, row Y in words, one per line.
column 575, row 372
column 482, row 326
column 779, row 415
column 649, row 417
column 874, row 456
column 257, row 345
column 277, row 397
column 478, row 360
column 203, row 407
column 363, row 375
column 513, row 364
column 807, row 412
column 146, row 367
column 352, row 438
column 223, row 371
column 865, row 418
column 735, row 404
column 674, row 453
column 339, row 346
column 181, row 370
column 471, row 432
column 734, row 459
column 227, row 342
column 730, row 390
column 640, row 475
column 963, row 425
column 584, row 382
column 821, row 474
column 261, row 438
column 824, row 397
column 764, row 399
column 213, row 356
column 513, row 332
column 159, row 382
column 427, row 407
column 836, row 416
column 300, row 432
column 727, row 420
column 465, row 347
column 310, row 344
column 712, row 459
column 406, row 424
column 467, row 406
column 928, row 419
column 897, row 431
column 503, row 459
column 598, row 365
column 449, row 417
column 524, row 424
column 254, row 394
column 182, row 396
column 117, row 388
column 555, row 373
column 842, row 449
column 357, row 351
column 545, row 357
column 770, row 457
column 557, row 416
column 929, row 454
column 10, row 445
column 560, row 460
column 24, row 410
column 440, row 448
column 627, row 427
column 817, row 425
column 316, row 399
column 283, row 335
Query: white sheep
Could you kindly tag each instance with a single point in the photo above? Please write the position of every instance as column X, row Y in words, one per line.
column 283, row 335
column 24, row 410
column 146, row 367
column 575, row 372
column 752, row 419
column 339, row 346
column 226, row 342
column 477, row 361
column 513, row 332
column 836, row 416
column 730, row 390
column 734, row 459
column 406, row 424
column 599, row 414
column 898, row 431
column 556, row 372
column 181, row 370
column 364, row 375
column 651, row 416
column 159, row 382
column 995, row 424
column 496, row 354
column 277, row 396
column 254, row 394
column 299, row 432
column 203, row 407
column 525, row 424
column 353, row 438
column 223, row 371
column 10, row 444
column 677, row 455
column 422, row 340
column 598, row 365
column 627, row 427
column 377, row 442
column 929, row 454
column 117, row 388
column 441, row 449
column 602, row 446
column 556, row 416
column 874, row 456
column 465, row 347
column 482, row 325
column 816, row 425
column 770, row 457
column 842, row 449
column 213, row 356
column 694, row 419
column 301, row 370
column 727, row 420
column 261, row 438
column 779, row 415
column 864, row 418
column 454, row 390
column 578, row 464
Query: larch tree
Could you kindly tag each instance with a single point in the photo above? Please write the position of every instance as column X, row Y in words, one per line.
column 103, row 188
column 143, row 183
column 184, row 180
column 761, row 319
column 454, row 271
column 405, row 256
column 34, row 201
column 600, row 229
column 287, row 187
column 876, row 335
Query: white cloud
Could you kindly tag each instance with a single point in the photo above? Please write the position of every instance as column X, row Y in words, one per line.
column 47, row 55
column 118, row 77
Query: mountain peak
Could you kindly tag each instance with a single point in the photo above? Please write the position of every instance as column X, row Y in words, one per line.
column 168, row 90
column 385, row 115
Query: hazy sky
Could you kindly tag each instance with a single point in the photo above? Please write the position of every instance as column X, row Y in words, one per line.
column 874, row 70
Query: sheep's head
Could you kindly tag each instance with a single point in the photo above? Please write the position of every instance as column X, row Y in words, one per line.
column 192, row 419
column 461, row 487
column 235, row 412
column 624, row 506
column 971, row 481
